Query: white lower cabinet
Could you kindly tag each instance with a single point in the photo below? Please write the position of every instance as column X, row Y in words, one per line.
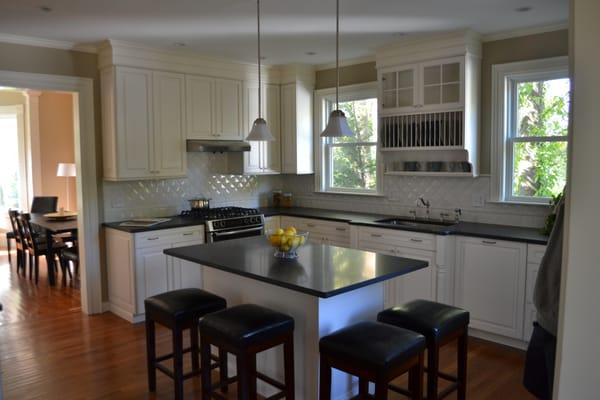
column 490, row 284
column 535, row 252
column 320, row 231
column 138, row 268
column 272, row 223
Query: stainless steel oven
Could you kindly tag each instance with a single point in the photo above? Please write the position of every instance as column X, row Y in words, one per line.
column 234, row 228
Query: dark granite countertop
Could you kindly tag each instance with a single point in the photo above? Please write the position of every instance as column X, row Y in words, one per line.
column 175, row 222
column 320, row 270
column 491, row 231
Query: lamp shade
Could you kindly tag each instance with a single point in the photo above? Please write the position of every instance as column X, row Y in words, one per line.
column 337, row 125
column 260, row 131
column 66, row 169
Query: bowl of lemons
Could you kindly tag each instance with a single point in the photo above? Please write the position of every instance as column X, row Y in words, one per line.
column 286, row 241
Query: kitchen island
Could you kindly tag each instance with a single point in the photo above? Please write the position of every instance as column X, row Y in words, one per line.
column 324, row 289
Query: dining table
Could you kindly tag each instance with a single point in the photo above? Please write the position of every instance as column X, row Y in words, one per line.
column 52, row 227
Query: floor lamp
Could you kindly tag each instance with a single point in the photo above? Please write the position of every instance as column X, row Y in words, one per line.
column 66, row 170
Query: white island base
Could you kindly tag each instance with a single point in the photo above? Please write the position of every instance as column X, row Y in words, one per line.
column 314, row 317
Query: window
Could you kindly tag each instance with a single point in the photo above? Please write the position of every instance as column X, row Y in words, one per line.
column 531, row 124
column 349, row 164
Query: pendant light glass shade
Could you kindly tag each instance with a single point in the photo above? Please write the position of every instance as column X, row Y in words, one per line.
column 260, row 130
column 337, row 125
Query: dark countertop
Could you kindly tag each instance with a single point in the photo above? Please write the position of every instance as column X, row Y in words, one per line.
column 490, row 231
column 175, row 222
column 320, row 270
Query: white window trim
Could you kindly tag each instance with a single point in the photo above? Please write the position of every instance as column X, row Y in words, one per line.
column 502, row 76
column 347, row 93
column 18, row 111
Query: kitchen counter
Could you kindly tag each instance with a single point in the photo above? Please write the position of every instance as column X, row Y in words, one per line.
column 320, row 270
column 175, row 222
column 490, row 231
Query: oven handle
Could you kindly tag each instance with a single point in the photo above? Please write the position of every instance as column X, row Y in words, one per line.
column 228, row 233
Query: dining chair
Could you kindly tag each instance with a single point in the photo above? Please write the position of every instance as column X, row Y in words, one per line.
column 44, row 204
column 13, row 216
column 36, row 246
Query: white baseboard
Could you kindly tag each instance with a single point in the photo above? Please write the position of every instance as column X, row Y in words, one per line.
column 506, row 341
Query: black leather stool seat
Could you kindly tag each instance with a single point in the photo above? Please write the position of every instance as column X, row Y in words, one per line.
column 247, row 324
column 182, row 304
column 372, row 344
column 434, row 320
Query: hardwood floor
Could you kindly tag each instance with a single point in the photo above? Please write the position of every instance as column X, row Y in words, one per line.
column 50, row 350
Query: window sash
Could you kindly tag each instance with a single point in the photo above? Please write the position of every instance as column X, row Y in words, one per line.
column 329, row 168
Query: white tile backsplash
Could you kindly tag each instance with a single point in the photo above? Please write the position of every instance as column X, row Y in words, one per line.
column 165, row 197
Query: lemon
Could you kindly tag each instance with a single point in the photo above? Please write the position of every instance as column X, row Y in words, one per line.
column 296, row 241
column 275, row 240
column 302, row 239
column 279, row 232
column 291, row 231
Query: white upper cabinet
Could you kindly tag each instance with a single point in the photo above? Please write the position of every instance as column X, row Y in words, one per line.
column 214, row 108
column 398, row 88
column 297, row 128
column 264, row 158
column 143, row 124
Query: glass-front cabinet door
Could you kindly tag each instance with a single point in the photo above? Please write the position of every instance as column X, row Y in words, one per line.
column 398, row 88
column 442, row 83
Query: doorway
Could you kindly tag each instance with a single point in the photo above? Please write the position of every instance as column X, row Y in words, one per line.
column 88, row 224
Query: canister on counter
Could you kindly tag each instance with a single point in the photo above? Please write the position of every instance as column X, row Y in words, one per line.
column 286, row 200
column 277, row 197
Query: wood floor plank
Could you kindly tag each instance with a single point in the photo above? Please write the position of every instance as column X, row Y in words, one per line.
column 50, row 350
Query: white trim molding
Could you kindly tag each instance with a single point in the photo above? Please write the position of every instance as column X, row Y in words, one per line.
column 535, row 30
column 502, row 76
column 48, row 43
column 85, row 160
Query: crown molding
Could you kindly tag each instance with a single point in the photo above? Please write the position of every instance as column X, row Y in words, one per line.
column 534, row 30
column 48, row 43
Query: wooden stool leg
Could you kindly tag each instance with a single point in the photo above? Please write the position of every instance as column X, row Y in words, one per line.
column 194, row 347
column 415, row 379
column 381, row 389
column 288, row 360
column 178, row 362
column 246, row 372
column 462, row 366
column 205, row 358
column 151, row 354
column 223, row 369
column 433, row 364
column 363, row 388
column 325, row 380
column 8, row 249
column 37, row 269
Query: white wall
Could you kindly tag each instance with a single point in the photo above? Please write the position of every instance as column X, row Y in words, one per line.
column 578, row 371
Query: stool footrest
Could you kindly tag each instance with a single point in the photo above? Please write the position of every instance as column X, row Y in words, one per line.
column 276, row 396
column 447, row 391
column 270, row 381
column 400, row 390
column 170, row 355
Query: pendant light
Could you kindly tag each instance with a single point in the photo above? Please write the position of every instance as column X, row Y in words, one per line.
column 337, row 125
column 260, row 130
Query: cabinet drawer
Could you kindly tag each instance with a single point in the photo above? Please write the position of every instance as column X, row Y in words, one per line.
column 169, row 236
column 535, row 253
column 328, row 229
column 397, row 238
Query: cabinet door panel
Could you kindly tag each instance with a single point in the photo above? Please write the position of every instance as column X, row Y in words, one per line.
column 152, row 274
column 229, row 109
column 200, row 107
column 169, row 131
column 252, row 158
column 134, row 123
column 271, row 151
column 419, row 284
column 490, row 284
column 185, row 274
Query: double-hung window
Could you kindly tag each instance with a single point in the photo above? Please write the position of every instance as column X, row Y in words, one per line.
column 349, row 164
column 530, row 129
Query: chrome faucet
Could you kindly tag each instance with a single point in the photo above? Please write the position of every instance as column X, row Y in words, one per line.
column 457, row 214
column 413, row 213
column 425, row 203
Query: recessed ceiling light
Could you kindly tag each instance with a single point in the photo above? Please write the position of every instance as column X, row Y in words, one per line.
column 310, row 53
column 45, row 8
column 179, row 44
column 523, row 9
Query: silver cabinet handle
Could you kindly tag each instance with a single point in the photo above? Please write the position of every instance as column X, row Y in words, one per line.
column 188, row 234
column 340, row 229
column 375, row 235
column 416, row 240
column 311, row 225
column 488, row 242
column 153, row 238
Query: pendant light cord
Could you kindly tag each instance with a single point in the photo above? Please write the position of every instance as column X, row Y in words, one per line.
column 337, row 54
column 259, row 80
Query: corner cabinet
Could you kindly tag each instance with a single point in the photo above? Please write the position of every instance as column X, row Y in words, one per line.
column 297, row 128
column 143, row 118
column 264, row 158
column 214, row 108
column 138, row 268
column 490, row 284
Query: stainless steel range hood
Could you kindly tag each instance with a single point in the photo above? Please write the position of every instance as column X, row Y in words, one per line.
column 216, row 146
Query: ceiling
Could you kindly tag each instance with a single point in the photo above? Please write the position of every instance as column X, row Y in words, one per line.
column 291, row 28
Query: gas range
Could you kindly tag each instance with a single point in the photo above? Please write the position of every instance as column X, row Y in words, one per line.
column 226, row 223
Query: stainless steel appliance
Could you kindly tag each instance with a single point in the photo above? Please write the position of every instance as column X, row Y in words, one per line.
column 226, row 223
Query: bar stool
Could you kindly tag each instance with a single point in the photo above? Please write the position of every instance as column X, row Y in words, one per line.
column 178, row 310
column 440, row 324
column 245, row 331
column 374, row 352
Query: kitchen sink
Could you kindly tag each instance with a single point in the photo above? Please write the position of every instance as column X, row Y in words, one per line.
column 417, row 223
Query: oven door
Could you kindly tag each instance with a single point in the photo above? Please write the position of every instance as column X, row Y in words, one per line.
column 235, row 234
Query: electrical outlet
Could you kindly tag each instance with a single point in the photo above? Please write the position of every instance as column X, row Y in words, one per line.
column 477, row 200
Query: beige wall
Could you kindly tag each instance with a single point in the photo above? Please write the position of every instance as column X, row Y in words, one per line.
column 57, row 146
column 544, row 45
